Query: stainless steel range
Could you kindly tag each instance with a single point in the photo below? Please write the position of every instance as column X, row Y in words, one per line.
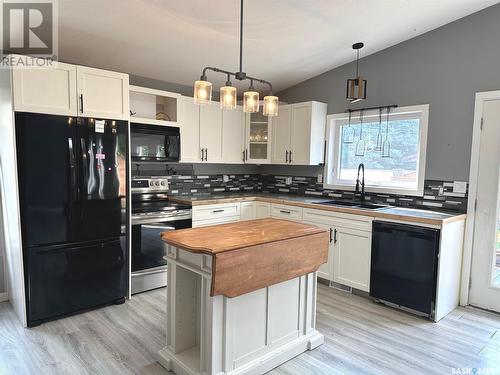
column 152, row 214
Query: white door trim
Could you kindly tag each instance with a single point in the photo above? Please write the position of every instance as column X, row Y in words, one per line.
column 481, row 98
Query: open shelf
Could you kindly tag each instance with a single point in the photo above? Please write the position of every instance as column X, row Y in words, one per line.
column 150, row 106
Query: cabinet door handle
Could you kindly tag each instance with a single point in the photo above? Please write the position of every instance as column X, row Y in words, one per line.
column 243, row 157
column 246, row 154
column 285, row 212
column 206, row 154
column 290, row 158
column 286, row 156
column 201, row 154
column 335, row 236
column 81, row 103
column 216, row 211
column 331, row 232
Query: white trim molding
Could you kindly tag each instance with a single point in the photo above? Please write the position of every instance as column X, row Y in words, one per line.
column 481, row 98
column 332, row 135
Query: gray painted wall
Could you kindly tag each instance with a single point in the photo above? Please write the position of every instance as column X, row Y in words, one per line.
column 444, row 68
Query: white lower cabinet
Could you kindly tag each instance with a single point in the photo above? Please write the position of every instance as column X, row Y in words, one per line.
column 262, row 210
column 349, row 254
column 281, row 211
column 352, row 257
column 248, row 211
column 214, row 214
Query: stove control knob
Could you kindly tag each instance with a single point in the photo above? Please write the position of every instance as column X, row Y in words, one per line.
column 162, row 183
column 151, row 183
column 157, row 183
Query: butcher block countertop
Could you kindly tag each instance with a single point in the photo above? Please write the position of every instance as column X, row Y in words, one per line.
column 233, row 236
column 250, row 255
column 391, row 213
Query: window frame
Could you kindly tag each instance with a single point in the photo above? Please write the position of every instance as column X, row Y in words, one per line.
column 333, row 154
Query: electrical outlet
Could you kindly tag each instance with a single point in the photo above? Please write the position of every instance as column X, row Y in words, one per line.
column 288, row 181
column 441, row 191
column 460, row 187
column 225, row 178
column 320, row 178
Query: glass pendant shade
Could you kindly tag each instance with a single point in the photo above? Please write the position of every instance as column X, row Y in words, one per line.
column 228, row 97
column 270, row 106
column 251, row 102
column 202, row 92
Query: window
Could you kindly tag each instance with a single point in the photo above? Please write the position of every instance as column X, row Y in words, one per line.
column 400, row 170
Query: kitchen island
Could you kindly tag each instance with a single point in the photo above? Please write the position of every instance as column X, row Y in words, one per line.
column 241, row 297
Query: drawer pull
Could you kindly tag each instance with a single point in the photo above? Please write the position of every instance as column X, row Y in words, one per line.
column 285, row 212
column 215, row 211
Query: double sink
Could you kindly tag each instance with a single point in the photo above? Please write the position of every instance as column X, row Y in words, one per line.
column 362, row 205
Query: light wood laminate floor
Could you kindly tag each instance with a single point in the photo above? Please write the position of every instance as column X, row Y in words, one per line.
column 361, row 337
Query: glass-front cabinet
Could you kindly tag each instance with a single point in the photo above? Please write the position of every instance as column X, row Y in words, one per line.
column 258, row 142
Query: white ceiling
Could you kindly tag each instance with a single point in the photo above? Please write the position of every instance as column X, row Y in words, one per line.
column 285, row 41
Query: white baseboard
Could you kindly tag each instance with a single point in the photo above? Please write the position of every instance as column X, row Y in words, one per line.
column 4, row 297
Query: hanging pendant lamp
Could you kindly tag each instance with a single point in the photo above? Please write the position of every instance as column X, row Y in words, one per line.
column 203, row 89
column 360, row 145
column 356, row 87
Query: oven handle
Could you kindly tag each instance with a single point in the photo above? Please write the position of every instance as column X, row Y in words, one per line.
column 151, row 272
column 153, row 220
column 168, row 227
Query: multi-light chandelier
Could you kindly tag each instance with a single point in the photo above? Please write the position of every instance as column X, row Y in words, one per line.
column 228, row 94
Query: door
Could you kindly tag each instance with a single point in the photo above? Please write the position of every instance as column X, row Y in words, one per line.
column 485, row 272
column 211, row 132
column 102, row 158
column 63, row 279
column 258, row 140
column 50, row 90
column 190, row 130
column 102, row 93
column 232, row 135
column 248, row 211
column 352, row 254
column 47, row 172
column 325, row 271
column 281, row 136
column 262, row 210
column 300, row 138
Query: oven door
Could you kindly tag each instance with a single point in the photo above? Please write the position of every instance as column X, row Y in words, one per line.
column 148, row 249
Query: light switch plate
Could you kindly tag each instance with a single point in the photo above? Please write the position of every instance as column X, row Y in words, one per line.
column 288, row 181
column 460, row 187
column 320, row 178
column 225, row 178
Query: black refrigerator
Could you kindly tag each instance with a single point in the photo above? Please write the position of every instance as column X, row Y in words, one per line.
column 72, row 177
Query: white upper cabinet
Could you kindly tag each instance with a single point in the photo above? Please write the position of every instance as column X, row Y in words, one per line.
column 281, row 135
column 257, row 138
column 153, row 107
column 211, row 132
column 189, row 116
column 102, row 93
column 232, row 135
column 299, row 134
column 49, row 90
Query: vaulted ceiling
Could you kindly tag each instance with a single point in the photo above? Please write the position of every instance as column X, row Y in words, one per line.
column 285, row 41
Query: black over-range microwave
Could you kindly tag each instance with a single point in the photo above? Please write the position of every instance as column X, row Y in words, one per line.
column 154, row 143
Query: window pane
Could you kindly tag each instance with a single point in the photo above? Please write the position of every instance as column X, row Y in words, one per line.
column 397, row 171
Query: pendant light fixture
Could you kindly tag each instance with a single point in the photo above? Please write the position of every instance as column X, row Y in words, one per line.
column 378, row 146
column 203, row 88
column 228, row 95
column 349, row 132
column 360, row 145
column 356, row 87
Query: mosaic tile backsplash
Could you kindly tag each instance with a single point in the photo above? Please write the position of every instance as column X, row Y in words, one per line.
column 438, row 195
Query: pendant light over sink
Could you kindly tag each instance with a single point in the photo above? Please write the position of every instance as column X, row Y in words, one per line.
column 203, row 88
column 356, row 87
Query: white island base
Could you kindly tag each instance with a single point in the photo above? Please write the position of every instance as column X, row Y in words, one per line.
column 248, row 334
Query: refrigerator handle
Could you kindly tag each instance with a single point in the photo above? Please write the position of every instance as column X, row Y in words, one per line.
column 85, row 170
column 72, row 176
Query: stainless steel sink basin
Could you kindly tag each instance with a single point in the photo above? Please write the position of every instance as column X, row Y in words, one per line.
column 365, row 205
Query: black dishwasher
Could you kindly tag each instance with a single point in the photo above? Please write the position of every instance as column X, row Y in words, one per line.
column 404, row 266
